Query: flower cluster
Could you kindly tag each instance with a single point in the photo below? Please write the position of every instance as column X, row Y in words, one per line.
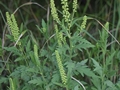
column 58, row 35
column 61, row 36
column 65, row 8
column 74, row 6
column 13, row 26
column 54, row 11
column 61, row 69
column 83, row 25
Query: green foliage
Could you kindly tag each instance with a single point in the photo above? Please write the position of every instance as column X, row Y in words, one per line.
column 61, row 54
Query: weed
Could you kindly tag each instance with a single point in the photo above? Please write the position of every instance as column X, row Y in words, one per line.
column 60, row 54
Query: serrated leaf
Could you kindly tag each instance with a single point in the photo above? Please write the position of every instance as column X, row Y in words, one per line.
column 28, row 46
column 31, row 54
column 96, row 64
column 83, row 62
column 18, row 59
column 118, row 84
column 111, row 73
column 84, row 70
column 14, row 50
column 36, row 81
column 97, row 83
column 98, row 68
column 3, row 80
column 43, row 52
column 55, row 77
column 70, row 66
column 93, row 88
column 32, row 70
column 59, row 84
column 88, row 72
column 110, row 85
column 20, row 72
column 10, row 37
column 80, row 43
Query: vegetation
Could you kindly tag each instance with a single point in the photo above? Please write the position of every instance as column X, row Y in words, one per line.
column 60, row 46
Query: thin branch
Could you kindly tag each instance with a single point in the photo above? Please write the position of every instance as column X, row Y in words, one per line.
column 78, row 82
column 29, row 3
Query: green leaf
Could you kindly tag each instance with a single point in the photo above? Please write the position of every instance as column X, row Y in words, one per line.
column 13, row 49
column 28, row 47
column 98, row 68
column 93, row 88
column 39, row 29
column 36, row 81
column 43, row 52
column 70, row 66
column 3, row 79
column 83, row 62
column 31, row 54
column 32, row 70
column 97, row 83
column 76, row 88
column 87, row 72
column 84, row 70
column 79, row 43
column 55, row 77
column 44, row 27
column 20, row 72
column 19, row 59
column 43, row 24
column 110, row 85
column 118, row 84
column 110, row 58
column 59, row 84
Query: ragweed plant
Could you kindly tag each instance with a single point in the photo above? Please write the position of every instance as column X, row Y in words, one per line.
column 61, row 69
column 13, row 27
column 64, row 48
